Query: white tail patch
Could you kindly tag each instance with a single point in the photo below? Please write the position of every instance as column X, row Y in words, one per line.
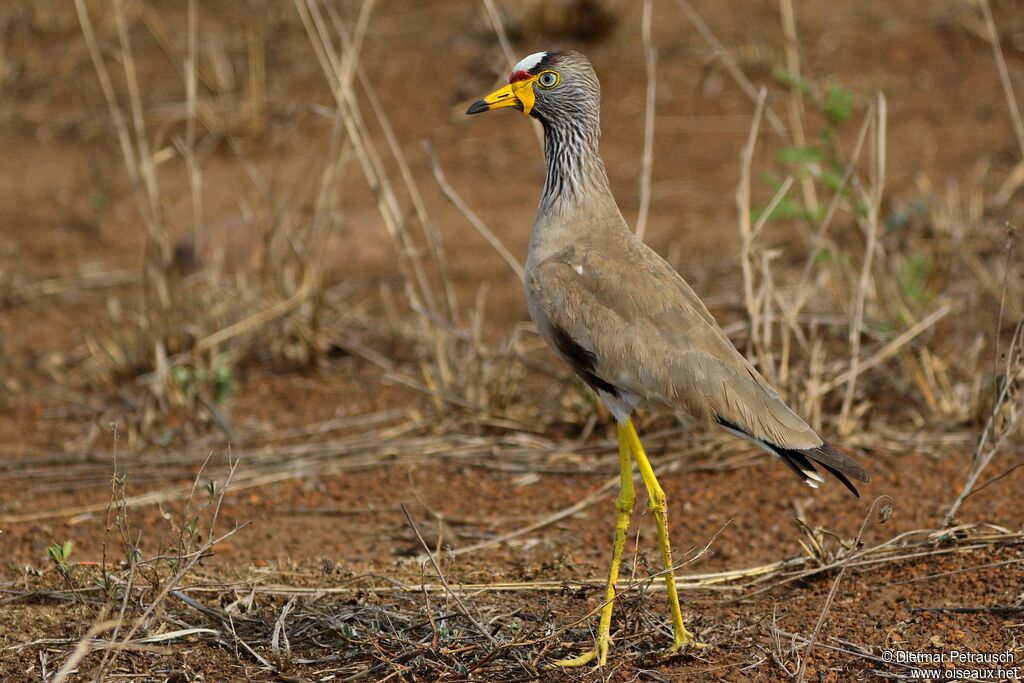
column 530, row 61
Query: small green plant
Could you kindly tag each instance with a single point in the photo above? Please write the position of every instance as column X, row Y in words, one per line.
column 913, row 276
column 60, row 555
column 837, row 104
column 817, row 160
column 216, row 379
column 347, row 632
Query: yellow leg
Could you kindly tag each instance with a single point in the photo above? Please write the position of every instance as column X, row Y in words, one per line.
column 660, row 510
column 624, row 508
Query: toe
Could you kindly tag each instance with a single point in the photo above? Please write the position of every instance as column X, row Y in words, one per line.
column 573, row 662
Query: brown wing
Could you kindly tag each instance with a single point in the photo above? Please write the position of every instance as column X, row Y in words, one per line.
column 634, row 323
column 646, row 331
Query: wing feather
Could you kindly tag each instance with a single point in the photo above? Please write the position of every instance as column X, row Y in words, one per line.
column 650, row 334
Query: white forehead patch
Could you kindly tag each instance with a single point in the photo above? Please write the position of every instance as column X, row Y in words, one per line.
column 530, row 61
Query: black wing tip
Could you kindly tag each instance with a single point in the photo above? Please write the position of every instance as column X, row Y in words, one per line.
column 841, row 460
column 843, row 479
column 836, row 461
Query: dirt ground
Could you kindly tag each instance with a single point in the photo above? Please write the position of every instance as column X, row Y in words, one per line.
column 335, row 527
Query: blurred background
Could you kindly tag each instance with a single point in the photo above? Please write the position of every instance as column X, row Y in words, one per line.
column 265, row 233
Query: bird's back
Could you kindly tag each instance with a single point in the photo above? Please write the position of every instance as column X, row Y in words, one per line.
column 650, row 334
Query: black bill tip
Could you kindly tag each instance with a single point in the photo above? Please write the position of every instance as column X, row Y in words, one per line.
column 478, row 107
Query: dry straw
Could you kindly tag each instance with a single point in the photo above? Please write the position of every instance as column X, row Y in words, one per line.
column 820, row 340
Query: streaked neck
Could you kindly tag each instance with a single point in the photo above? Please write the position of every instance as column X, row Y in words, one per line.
column 574, row 165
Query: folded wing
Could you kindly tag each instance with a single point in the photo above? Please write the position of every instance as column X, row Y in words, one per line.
column 640, row 327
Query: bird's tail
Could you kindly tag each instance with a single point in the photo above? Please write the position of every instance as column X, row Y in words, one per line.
column 838, row 463
column 802, row 461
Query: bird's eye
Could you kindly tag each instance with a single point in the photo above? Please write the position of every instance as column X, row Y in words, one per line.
column 548, row 79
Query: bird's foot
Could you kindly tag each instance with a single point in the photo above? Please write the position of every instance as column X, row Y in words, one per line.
column 598, row 652
column 682, row 641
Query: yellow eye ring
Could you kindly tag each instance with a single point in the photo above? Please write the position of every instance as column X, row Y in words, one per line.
column 548, row 79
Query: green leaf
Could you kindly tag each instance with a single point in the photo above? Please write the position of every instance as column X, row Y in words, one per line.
column 838, row 104
column 59, row 554
column 54, row 552
column 801, row 155
column 222, row 383
column 786, row 209
column 184, row 378
column 828, row 257
column 831, row 179
column 790, row 79
column 912, row 276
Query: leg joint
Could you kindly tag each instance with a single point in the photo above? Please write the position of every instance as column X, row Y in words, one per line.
column 624, row 503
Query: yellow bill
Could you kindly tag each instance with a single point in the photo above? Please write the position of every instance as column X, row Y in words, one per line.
column 518, row 94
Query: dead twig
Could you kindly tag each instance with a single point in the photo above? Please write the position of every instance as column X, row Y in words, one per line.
column 444, row 581
column 746, row 230
column 647, row 158
column 796, row 100
column 884, row 514
column 1004, row 75
column 452, row 196
column 730, row 64
column 872, row 229
column 1013, row 377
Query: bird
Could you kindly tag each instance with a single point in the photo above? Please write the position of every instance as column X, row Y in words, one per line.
column 628, row 324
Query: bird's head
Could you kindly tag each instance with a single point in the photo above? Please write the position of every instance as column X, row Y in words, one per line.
column 550, row 86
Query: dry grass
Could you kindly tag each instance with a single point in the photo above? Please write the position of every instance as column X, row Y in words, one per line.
column 197, row 322
column 409, row 624
column 191, row 332
column 863, row 304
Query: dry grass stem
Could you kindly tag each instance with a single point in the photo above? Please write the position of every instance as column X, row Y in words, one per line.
column 82, row 649
column 494, row 17
column 595, row 496
column 647, row 158
column 1004, row 75
column 819, row 239
column 499, row 31
column 137, row 158
column 747, row 233
column 730, row 64
column 874, row 199
column 339, row 73
column 884, row 514
column 1006, row 415
column 888, row 351
column 452, row 196
column 796, row 99
column 444, row 582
